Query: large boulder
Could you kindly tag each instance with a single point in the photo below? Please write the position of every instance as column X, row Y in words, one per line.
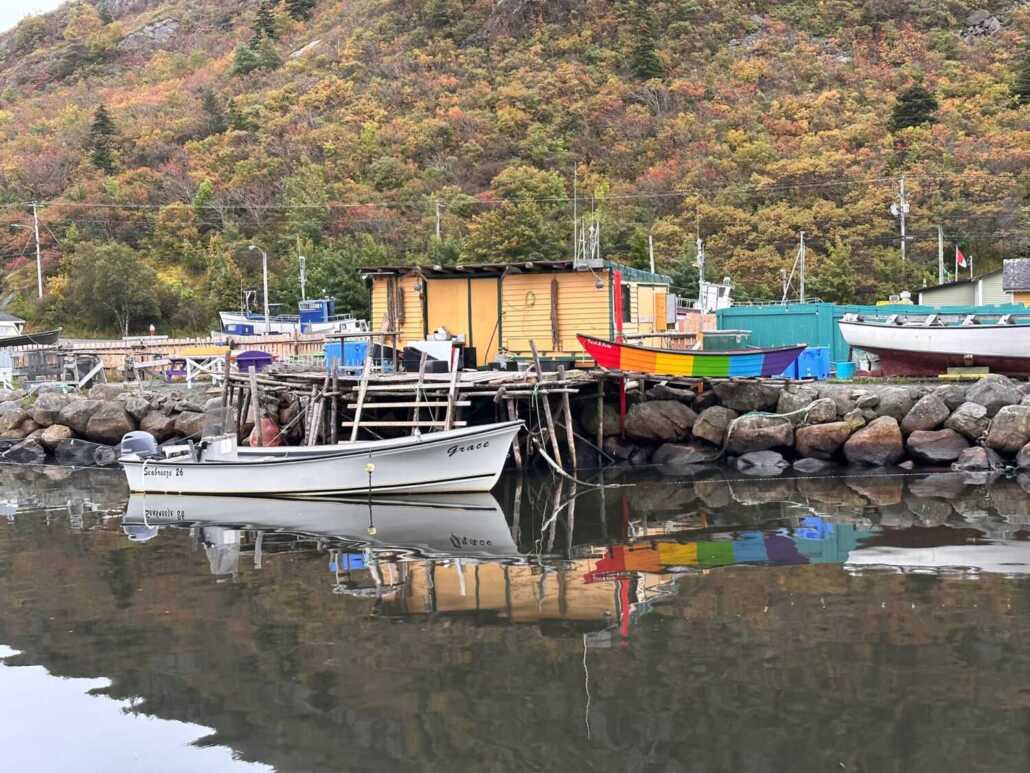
column 757, row 432
column 895, row 402
column 941, row 446
column 970, row 420
column 994, row 392
column 136, row 406
column 109, row 423
column 928, row 413
column 811, row 466
column 77, row 413
column 665, row 421
column 712, row 424
column 953, row 395
column 47, row 408
column 762, row 463
column 743, row 396
column 978, row 459
column 190, row 424
column 1010, row 429
column 1023, row 458
column 29, row 451
column 54, row 434
column 821, row 411
column 157, row 424
column 82, row 453
column 590, row 418
column 878, row 443
column 666, row 392
column 11, row 415
column 793, row 398
column 682, row 454
column 822, row 441
column 9, row 395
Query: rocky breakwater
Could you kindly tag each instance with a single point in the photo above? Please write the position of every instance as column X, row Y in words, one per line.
column 764, row 428
column 85, row 429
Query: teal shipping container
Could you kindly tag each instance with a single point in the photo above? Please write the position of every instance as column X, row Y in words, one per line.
column 815, row 324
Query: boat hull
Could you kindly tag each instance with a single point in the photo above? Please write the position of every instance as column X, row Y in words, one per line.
column 929, row 351
column 465, row 460
column 43, row 338
column 746, row 363
column 282, row 327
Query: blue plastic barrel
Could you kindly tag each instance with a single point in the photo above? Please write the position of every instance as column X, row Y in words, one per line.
column 845, row 371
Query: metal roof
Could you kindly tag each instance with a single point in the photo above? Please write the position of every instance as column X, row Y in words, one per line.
column 958, row 282
column 5, row 317
column 1016, row 276
column 518, row 267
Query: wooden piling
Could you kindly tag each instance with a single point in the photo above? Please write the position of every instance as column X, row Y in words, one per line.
column 548, row 416
column 513, row 415
column 362, row 389
column 416, row 415
column 452, row 389
column 313, row 408
column 570, row 435
column 600, row 413
column 226, row 388
column 334, row 409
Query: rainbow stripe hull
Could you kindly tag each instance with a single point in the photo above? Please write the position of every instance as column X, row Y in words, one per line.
column 747, row 363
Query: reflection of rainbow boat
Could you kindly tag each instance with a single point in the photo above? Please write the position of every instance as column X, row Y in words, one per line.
column 745, row 363
column 816, row 541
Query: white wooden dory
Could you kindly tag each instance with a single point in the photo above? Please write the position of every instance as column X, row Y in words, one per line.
column 468, row 459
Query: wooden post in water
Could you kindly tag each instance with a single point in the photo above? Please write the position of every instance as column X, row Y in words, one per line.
column 312, row 428
column 255, row 404
column 600, row 413
column 416, row 415
column 548, row 416
column 334, row 410
column 362, row 389
column 570, row 436
column 226, row 388
column 452, row 389
column 516, row 446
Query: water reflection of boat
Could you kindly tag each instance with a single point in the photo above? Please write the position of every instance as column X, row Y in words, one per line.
column 1002, row 557
column 454, row 525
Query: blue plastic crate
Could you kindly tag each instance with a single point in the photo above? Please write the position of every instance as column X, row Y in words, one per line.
column 814, row 362
column 354, row 353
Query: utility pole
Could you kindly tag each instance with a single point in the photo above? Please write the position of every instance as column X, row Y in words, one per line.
column 39, row 259
column 900, row 209
column 801, row 260
column 700, row 266
column 438, row 219
column 650, row 249
column 303, row 261
column 575, row 213
column 940, row 254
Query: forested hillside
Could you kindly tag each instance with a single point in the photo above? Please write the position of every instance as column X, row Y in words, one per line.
column 162, row 137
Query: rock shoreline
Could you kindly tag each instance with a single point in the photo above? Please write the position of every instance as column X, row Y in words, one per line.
column 764, row 428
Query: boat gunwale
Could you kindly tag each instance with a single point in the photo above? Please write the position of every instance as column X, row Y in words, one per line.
column 696, row 353
column 888, row 326
column 420, row 442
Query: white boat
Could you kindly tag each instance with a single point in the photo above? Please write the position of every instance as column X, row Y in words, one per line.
column 467, row 459
column 437, row 526
column 280, row 324
column 927, row 345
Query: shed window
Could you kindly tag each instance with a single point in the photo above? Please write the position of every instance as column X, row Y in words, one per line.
column 627, row 305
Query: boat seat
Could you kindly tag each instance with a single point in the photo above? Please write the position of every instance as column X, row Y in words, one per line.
column 970, row 320
column 932, row 320
column 1005, row 319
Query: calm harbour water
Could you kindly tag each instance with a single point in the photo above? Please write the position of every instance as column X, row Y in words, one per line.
column 852, row 623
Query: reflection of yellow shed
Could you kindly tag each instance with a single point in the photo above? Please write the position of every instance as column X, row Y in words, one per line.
column 500, row 307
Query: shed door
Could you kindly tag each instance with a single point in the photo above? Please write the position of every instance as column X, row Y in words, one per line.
column 486, row 331
column 447, row 306
column 661, row 312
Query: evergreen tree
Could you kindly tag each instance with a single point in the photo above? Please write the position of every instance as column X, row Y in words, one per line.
column 643, row 56
column 300, row 10
column 101, row 135
column 438, row 15
column 212, row 107
column 267, row 57
column 915, row 106
column 264, row 24
column 1021, row 88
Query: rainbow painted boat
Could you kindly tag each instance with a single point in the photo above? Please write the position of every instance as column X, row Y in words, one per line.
column 743, row 363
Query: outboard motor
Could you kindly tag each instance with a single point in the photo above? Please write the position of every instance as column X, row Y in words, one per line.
column 142, row 445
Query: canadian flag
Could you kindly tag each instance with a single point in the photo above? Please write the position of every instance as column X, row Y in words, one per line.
column 960, row 259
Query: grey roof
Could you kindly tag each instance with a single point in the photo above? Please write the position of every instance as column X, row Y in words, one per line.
column 1016, row 276
column 5, row 317
column 959, row 282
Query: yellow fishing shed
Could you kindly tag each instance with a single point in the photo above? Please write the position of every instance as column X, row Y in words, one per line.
column 500, row 307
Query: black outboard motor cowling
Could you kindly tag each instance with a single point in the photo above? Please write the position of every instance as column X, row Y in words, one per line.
column 142, row 444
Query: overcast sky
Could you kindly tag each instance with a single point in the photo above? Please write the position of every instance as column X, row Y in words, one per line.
column 13, row 11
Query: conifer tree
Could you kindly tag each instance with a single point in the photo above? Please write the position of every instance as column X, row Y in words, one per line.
column 1021, row 88
column 101, row 134
column 264, row 24
column 915, row 106
column 300, row 10
column 212, row 107
column 643, row 56
column 438, row 15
